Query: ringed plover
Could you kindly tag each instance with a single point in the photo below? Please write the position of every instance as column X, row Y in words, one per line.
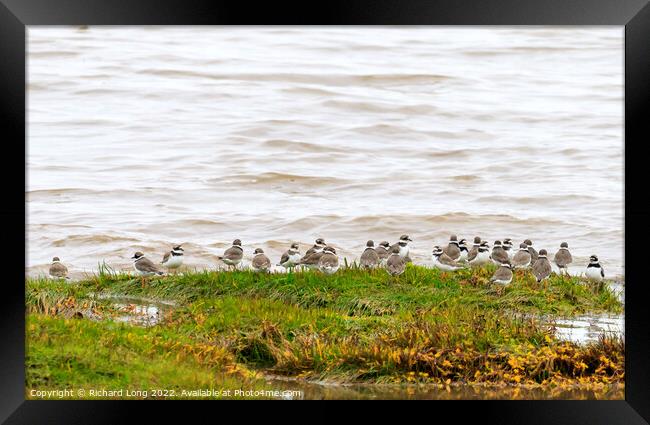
column 261, row 262
column 369, row 257
column 58, row 270
column 291, row 257
column 329, row 261
column 233, row 255
column 563, row 258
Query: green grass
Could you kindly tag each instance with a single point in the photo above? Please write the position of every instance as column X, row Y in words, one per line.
column 353, row 326
column 84, row 354
column 359, row 292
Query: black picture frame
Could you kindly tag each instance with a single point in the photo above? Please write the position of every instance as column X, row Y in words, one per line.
column 16, row 15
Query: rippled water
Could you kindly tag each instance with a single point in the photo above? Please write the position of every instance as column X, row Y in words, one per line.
column 143, row 137
column 326, row 391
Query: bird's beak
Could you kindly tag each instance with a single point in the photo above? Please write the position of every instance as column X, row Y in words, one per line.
column 410, row 240
column 133, row 258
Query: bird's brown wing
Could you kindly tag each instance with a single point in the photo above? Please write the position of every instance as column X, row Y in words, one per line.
column 310, row 251
column 445, row 259
column 58, row 270
column 541, row 269
column 369, row 257
column 312, row 258
column 284, row 258
column 166, row 257
column 472, row 254
column 233, row 253
column 563, row 258
column 261, row 262
column 500, row 255
column 395, row 264
column 328, row 260
column 521, row 258
column 452, row 251
column 148, row 266
column 503, row 273
column 382, row 253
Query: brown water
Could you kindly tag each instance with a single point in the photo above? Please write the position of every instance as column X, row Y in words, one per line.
column 300, row 389
column 143, row 137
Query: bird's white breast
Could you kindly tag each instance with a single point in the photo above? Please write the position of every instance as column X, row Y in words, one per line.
column 294, row 258
column 481, row 257
column 463, row 255
column 593, row 273
column 174, row 261
column 442, row 266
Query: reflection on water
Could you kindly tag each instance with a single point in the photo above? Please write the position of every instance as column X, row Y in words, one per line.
column 139, row 311
column 324, row 391
column 585, row 329
column 588, row 328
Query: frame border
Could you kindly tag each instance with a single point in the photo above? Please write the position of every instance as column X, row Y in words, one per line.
column 16, row 15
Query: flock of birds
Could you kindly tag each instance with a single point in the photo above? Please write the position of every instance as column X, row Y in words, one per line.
column 454, row 256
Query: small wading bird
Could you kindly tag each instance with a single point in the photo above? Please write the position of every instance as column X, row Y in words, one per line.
column 291, row 257
column 369, row 257
column 233, row 255
column 472, row 252
column 261, row 262
column 404, row 248
column 144, row 266
column 395, row 264
column 58, row 270
column 503, row 275
column 173, row 259
column 522, row 258
column 481, row 256
column 563, row 258
column 329, row 261
column 452, row 250
column 533, row 252
column 318, row 246
column 383, row 251
column 499, row 255
column 595, row 271
column 442, row 261
column 311, row 260
column 542, row 267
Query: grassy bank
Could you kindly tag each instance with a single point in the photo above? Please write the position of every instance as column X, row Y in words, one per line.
column 227, row 329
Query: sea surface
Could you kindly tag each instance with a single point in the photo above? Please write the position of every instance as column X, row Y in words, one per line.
column 144, row 137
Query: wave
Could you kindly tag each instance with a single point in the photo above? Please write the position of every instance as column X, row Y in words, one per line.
column 91, row 240
column 294, row 146
column 273, row 178
column 59, row 192
column 77, row 193
column 98, row 91
column 412, row 222
column 53, row 54
column 465, row 178
column 327, row 79
column 312, row 91
column 537, row 200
